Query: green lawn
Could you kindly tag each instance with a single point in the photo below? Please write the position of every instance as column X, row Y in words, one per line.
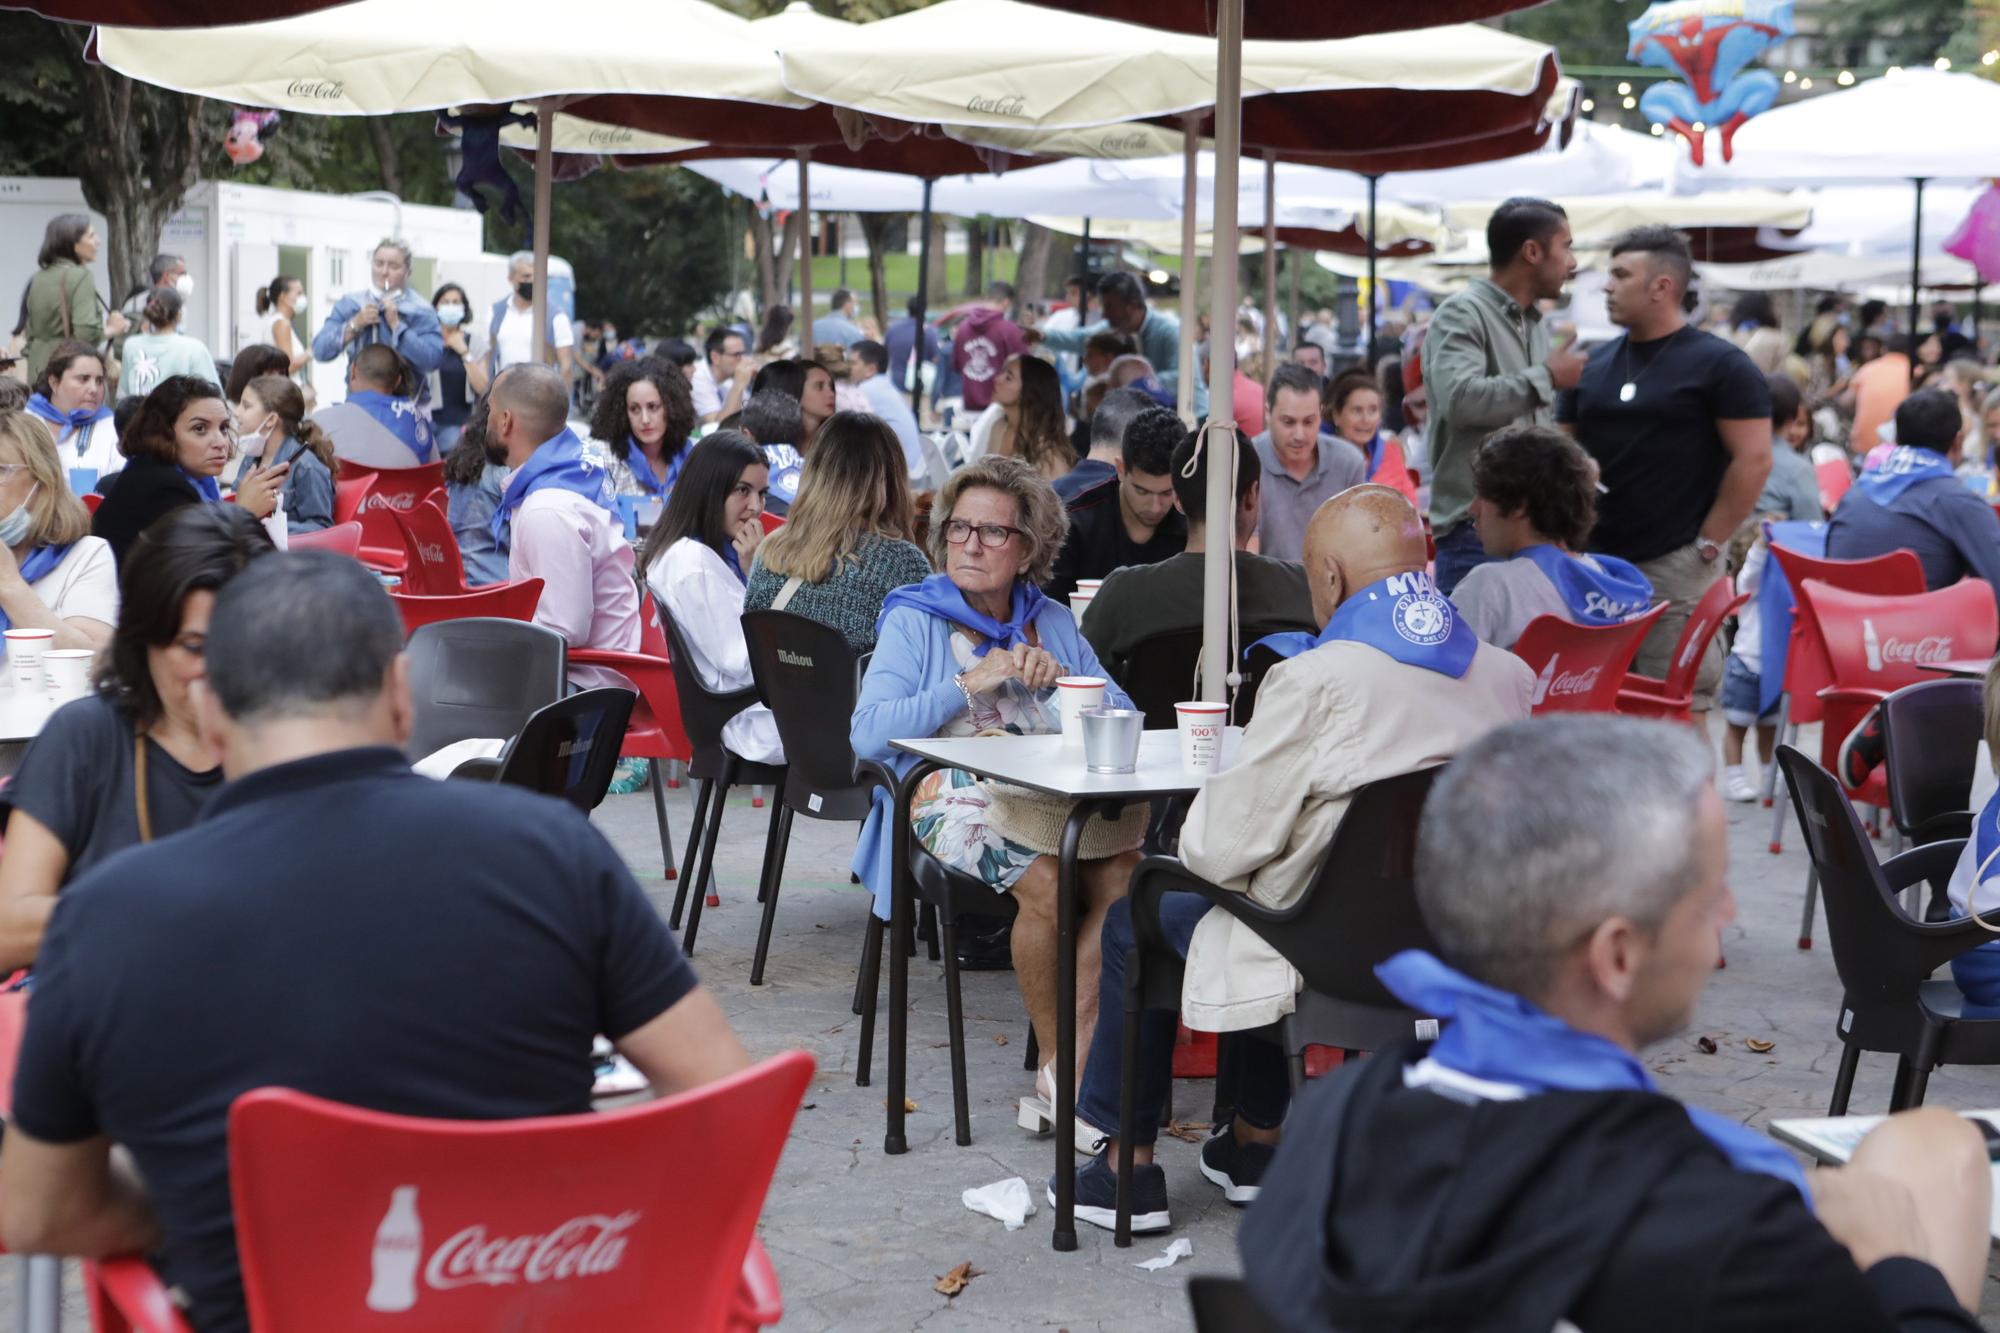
column 901, row 274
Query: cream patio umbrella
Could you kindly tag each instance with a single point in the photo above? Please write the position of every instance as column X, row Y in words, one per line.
column 375, row 57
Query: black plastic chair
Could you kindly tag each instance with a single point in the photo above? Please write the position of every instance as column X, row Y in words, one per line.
column 1930, row 740
column 570, row 748
column 1884, row 957
column 806, row 675
column 480, row 677
column 704, row 712
column 1359, row 911
column 1159, row 672
column 1224, row 1305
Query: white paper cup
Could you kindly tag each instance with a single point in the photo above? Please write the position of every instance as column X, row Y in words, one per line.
column 1089, row 587
column 1201, row 728
column 24, row 650
column 67, row 672
column 1073, row 695
column 1079, row 602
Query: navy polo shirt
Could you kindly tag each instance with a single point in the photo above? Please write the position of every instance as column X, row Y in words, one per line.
column 341, row 926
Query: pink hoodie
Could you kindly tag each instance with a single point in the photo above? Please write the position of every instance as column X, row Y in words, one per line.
column 980, row 347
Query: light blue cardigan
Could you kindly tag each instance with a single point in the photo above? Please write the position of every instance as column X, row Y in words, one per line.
column 909, row 692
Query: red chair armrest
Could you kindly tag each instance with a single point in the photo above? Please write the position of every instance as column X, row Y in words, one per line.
column 759, row 1303
column 1639, row 684
column 1837, row 694
column 131, row 1293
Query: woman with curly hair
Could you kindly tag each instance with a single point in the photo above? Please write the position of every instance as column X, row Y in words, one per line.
column 1534, row 503
column 640, row 428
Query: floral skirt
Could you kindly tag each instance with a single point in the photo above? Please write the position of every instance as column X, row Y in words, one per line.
column 949, row 819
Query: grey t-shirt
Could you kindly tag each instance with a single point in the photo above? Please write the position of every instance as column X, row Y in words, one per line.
column 76, row 780
column 1500, row 597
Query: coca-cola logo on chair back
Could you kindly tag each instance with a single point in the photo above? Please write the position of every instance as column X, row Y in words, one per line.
column 356, row 1221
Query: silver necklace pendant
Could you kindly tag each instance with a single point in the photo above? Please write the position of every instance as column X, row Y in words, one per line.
column 1627, row 392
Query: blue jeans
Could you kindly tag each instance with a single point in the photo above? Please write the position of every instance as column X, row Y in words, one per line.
column 1249, row 1073
column 1458, row 554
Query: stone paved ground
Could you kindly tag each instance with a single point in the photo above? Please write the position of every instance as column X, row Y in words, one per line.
column 859, row 1237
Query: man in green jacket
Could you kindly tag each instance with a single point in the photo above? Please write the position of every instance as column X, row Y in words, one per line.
column 1488, row 363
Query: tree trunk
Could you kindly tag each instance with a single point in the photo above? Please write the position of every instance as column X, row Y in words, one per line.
column 1031, row 277
column 975, row 256
column 939, row 284
column 387, row 159
column 136, row 162
column 875, row 229
column 763, row 245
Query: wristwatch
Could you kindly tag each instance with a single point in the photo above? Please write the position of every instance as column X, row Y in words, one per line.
column 1709, row 549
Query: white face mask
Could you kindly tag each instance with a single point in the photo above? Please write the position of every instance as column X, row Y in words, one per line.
column 450, row 315
column 252, row 444
column 14, row 527
column 184, row 284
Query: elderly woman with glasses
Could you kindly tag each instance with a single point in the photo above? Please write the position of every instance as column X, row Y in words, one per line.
column 976, row 651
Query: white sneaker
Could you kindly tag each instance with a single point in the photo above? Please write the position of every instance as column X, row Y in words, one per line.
column 1737, row 784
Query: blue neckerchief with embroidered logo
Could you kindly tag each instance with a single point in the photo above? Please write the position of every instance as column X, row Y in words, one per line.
column 38, row 564
column 1906, row 465
column 642, row 471
column 74, row 420
column 939, row 596
column 209, row 487
column 558, row 461
column 1492, row 1035
column 786, row 465
column 398, row 416
column 1611, row 594
column 1404, row 616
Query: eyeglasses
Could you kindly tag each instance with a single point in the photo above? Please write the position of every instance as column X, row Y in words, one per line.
column 7, row 471
column 957, row 531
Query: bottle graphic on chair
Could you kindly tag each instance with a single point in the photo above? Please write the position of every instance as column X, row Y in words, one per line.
column 399, row 1247
column 1871, row 647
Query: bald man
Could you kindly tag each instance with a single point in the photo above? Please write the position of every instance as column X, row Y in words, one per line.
column 557, row 520
column 381, row 424
column 1394, row 682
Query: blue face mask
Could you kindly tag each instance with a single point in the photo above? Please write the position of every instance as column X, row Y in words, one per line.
column 450, row 315
column 14, row 527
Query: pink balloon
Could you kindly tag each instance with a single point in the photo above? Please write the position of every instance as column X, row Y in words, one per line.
column 1977, row 239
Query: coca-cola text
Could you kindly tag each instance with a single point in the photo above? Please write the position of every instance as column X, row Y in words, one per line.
column 1930, row 648
column 580, row 1247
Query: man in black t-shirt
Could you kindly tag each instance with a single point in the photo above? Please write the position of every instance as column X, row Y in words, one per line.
column 1522, row 1172
column 1679, row 422
column 1131, row 521
column 335, row 924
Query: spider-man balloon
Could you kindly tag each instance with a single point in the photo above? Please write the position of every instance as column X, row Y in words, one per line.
column 1708, row 43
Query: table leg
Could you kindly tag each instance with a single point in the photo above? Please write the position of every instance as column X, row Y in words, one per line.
column 900, row 893
column 38, row 1293
column 1065, row 1107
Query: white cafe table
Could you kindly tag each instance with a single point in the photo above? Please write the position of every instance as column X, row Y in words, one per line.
column 1833, row 1139
column 1044, row 764
column 23, row 714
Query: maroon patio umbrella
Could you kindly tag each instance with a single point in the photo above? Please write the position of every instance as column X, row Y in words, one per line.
column 171, row 13
column 1295, row 20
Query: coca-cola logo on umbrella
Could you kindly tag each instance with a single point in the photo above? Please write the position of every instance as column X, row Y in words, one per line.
column 582, row 1246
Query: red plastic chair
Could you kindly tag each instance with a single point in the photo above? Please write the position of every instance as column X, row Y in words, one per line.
column 397, row 489
column 1579, row 668
column 432, row 566
column 655, row 732
column 344, row 538
column 509, row 601
column 352, row 1221
column 1806, row 671
column 1672, row 699
column 91, row 499
column 1835, row 477
column 772, row 522
column 349, row 494
column 1875, row 646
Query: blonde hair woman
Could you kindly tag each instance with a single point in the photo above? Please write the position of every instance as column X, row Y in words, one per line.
column 53, row 573
column 846, row 542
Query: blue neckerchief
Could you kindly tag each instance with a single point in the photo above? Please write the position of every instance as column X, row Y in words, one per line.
column 730, row 558
column 1774, row 605
column 400, row 417
column 786, row 464
column 1493, row 1035
column 209, row 487
column 939, row 596
column 642, row 471
column 39, row 562
column 1375, row 451
column 558, row 461
column 1404, row 616
column 1608, row 595
column 76, row 420
column 1906, row 465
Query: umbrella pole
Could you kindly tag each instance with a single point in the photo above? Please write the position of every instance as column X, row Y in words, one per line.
column 545, row 142
column 1086, row 275
column 1368, row 351
column 1220, row 443
column 1190, row 207
column 1916, row 272
column 805, row 254
column 1271, row 254
column 923, row 302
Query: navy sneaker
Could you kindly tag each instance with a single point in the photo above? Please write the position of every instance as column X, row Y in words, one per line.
column 1097, row 1194
column 1237, row 1167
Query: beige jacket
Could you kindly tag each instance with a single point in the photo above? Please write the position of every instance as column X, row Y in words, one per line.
column 1328, row 723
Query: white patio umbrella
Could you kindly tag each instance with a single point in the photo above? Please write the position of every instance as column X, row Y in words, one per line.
column 1914, row 127
column 375, row 57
